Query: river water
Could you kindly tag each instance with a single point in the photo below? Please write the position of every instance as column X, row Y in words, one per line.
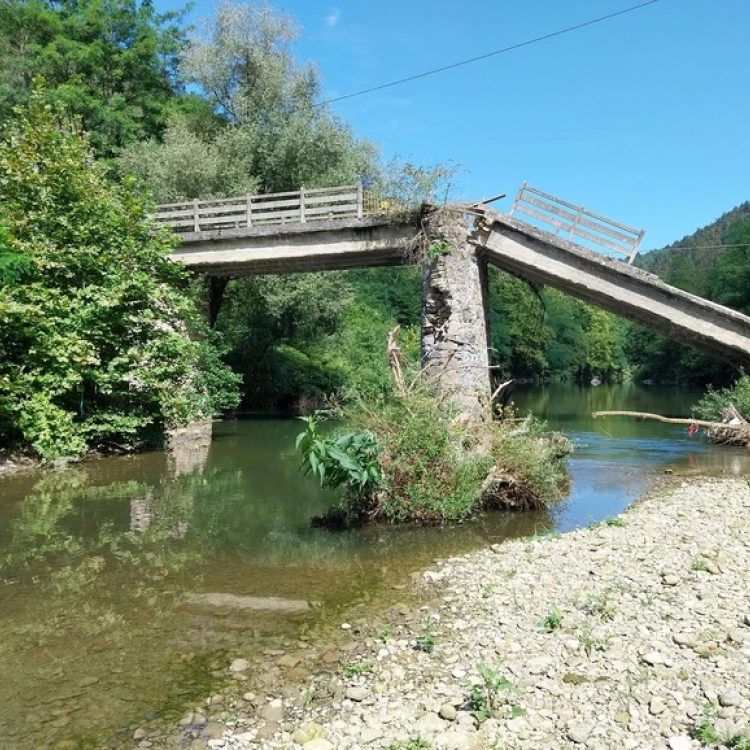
column 101, row 564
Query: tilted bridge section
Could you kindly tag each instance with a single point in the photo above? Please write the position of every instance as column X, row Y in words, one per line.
column 543, row 240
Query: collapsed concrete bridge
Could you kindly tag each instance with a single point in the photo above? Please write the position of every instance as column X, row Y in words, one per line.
column 336, row 229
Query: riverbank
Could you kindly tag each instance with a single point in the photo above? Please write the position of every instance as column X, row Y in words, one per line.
column 633, row 634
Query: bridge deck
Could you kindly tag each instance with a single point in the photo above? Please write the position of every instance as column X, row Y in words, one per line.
column 516, row 246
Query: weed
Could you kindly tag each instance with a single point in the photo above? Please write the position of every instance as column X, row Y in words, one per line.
column 488, row 591
column 616, row 522
column 309, row 696
column 699, row 564
column 355, row 668
column 415, row 743
column 426, row 643
column 601, row 605
column 517, row 712
column 385, row 633
column 484, row 699
column 552, row 621
column 709, row 734
column 591, row 643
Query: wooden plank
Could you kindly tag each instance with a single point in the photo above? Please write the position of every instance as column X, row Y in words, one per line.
column 321, row 191
column 549, row 197
column 173, row 214
column 239, row 208
column 521, row 209
column 606, row 230
column 606, row 220
column 286, row 203
column 285, row 215
column 236, row 220
column 601, row 241
column 549, row 207
column 343, row 198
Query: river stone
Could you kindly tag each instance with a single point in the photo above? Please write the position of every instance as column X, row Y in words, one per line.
column 317, row 744
column 429, row 724
column 680, row 742
column 139, row 734
column 273, row 711
column 671, row 579
column 357, row 694
column 239, row 665
column 288, row 661
column 686, row 639
column 448, row 712
column 656, row 706
column 653, row 658
column 730, row 698
column 578, row 733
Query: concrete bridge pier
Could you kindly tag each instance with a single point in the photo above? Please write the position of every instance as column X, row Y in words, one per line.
column 455, row 338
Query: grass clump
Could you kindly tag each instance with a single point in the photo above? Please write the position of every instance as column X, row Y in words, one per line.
column 410, row 459
column 552, row 621
column 355, row 668
column 415, row 743
column 485, row 699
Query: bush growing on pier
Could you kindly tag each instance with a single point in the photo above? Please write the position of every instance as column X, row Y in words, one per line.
column 432, row 467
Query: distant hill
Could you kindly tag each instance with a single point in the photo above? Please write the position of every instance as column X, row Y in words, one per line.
column 690, row 255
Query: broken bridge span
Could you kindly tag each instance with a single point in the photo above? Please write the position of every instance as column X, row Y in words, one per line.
column 340, row 228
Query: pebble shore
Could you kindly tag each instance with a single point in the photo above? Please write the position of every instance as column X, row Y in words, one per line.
column 632, row 634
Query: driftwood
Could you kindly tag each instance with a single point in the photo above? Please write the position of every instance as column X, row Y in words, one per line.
column 718, row 432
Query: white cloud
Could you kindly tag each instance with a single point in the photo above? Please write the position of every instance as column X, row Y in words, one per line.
column 333, row 18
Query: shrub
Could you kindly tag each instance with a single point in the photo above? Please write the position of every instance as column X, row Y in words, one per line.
column 101, row 341
column 409, row 459
column 712, row 405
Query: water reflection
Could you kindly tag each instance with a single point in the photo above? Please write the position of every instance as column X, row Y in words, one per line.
column 97, row 562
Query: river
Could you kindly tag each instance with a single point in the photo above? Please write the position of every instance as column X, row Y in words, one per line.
column 100, row 563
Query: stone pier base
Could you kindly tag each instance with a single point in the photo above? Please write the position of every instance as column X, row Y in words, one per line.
column 454, row 324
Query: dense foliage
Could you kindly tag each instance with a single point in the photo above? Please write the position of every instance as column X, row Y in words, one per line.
column 409, row 459
column 114, row 63
column 100, row 341
column 713, row 405
column 714, row 262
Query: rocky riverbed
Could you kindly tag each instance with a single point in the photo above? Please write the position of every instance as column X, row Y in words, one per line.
column 632, row 634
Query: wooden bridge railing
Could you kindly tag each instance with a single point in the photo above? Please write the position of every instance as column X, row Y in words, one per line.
column 577, row 223
column 302, row 206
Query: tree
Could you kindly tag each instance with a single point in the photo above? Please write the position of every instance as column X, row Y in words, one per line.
column 111, row 62
column 100, row 341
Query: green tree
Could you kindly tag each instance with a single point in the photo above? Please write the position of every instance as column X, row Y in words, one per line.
column 100, row 341
column 111, row 62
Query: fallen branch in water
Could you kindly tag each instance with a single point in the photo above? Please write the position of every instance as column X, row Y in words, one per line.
column 668, row 420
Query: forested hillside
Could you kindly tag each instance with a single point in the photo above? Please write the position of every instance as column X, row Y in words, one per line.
column 713, row 262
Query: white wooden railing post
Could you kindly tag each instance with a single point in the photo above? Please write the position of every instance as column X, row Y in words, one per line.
column 196, row 220
column 360, row 200
column 249, row 210
column 518, row 198
column 572, row 232
column 302, row 205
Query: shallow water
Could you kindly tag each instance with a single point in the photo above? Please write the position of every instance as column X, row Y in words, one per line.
column 97, row 563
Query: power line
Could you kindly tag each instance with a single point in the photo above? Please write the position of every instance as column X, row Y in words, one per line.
column 487, row 55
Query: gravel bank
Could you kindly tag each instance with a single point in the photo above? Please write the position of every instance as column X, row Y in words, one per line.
column 626, row 635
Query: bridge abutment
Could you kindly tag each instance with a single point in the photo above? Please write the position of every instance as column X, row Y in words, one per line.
column 454, row 321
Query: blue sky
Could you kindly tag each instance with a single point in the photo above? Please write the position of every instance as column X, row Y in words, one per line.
column 642, row 118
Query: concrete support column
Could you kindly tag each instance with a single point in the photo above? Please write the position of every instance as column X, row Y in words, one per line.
column 454, row 321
